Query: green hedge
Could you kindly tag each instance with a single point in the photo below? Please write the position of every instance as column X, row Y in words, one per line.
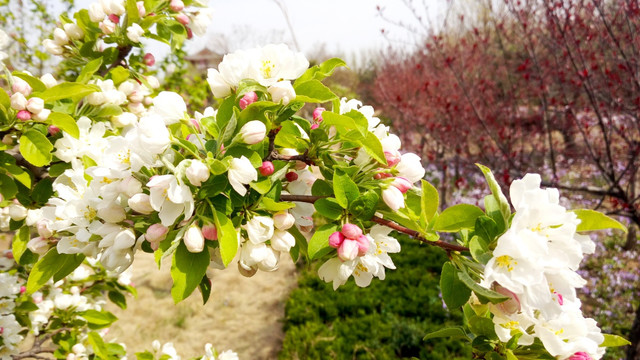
column 386, row 320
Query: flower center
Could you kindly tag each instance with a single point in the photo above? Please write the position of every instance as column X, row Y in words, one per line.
column 506, row 261
column 267, row 68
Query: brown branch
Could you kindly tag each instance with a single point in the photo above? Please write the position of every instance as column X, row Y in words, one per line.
column 123, row 51
column 385, row 222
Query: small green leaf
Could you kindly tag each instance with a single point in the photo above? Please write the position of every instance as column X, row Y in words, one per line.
column 8, row 187
column 591, row 220
column 132, row 12
column 118, row 298
column 35, row 148
column 19, row 243
column 329, row 208
column 484, row 295
column 430, row 201
column 67, row 90
column 98, row 345
column 313, row 91
column 205, row 289
column 345, row 189
column 364, row 207
column 98, row 319
column 451, row 333
column 457, row 217
column 65, row 268
column 65, row 123
column 227, row 237
column 42, row 191
column 187, row 270
column 88, row 70
column 614, row 341
column 373, row 147
column 5, row 100
column 345, row 123
column 482, row 326
column 454, row 292
column 505, row 209
column 319, row 243
column 321, row 71
column 48, row 265
column 272, row 205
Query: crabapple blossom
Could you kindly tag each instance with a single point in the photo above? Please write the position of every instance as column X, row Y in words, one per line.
column 193, row 239
column 393, row 198
column 197, row 172
column 253, row 132
column 267, row 168
column 282, row 91
column 241, row 172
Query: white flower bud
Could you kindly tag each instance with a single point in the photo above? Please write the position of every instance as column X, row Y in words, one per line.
column 141, row 203
column 134, row 32
column 73, row 31
column 78, row 349
column 96, row 13
column 35, row 105
column 393, row 198
column 282, row 240
column 219, row 87
column 153, row 82
column 60, row 37
column 21, row 86
column 38, row 245
column 112, row 213
column 141, row 10
column 52, row 47
column 193, row 239
column 259, row 229
column 18, row 101
column 43, row 229
column 107, row 26
column 253, row 132
column 124, row 240
column 197, row 172
column 282, row 90
column 117, row 7
column 127, row 87
column 48, row 80
column 170, row 106
column 42, row 115
column 17, row 212
column 136, row 108
column 283, row 220
column 156, row 233
column 124, row 119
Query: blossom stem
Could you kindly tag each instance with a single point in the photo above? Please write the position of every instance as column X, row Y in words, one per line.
column 441, row 244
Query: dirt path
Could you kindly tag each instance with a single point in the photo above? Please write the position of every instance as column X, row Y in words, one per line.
column 243, row 314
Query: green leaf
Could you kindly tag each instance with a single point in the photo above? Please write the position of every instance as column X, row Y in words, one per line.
column 35, row 148
column 67, row 90
column 373, row 147
column 329, row 208
column 19, row 243
column 8, row 187
column 484, row 295
column 262, row 187
column 321, row 188
column 482, row 326
column 205, row 289
column 457, row 217
column 120, row 74
column 35, row 83
column 364, row 207
column 48, row 265
column 289, row 136
column 109, row 111
column 227, row 237
column 345, row 123
column 118, row 298
column 454, row 292
column 98, row 319
column 145, row 356
column 98, row 345
column 187, row 270
column 42, row 191
column 88, row 70
column 65, row 268
column 321, row 71
column 430, row 201
column 229, row 130
column 319, row 243
column 479, row 250
column 65, row 122
column 345, row 189
column 272, row 205
column 505, row 209
column 591, row 220
column 313, row 91
column 451, row 333
column 5, row 100
column 614, row 341
column 132, row 12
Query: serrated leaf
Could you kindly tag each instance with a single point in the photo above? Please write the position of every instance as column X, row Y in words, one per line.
column 345, row 189
column 89, row 69
column 328, row 207
column 227, row 237
column 98, row 319
column 591, row 220
column 614, row 341
column 36, row 148
column 187, row 270
column 457, row 217
column 65, row 123
column 319, row 243
column 430, row 201
column 454, row 292
column 313, row 91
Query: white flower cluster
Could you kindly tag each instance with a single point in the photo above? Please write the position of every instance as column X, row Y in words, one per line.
column 535, row 263
column 168, row 352
column 273, row 66
column 10, row 288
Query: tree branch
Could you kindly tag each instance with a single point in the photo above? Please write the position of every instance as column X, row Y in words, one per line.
column 123, row 51
column 385, row 222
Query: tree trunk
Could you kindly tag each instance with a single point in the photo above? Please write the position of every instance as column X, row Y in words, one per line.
column 633, row 353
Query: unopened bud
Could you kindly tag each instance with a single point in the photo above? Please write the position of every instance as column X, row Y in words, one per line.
column 248, row 99
column 176, row 5
column 53, row 130
column 35, row 105
column 336, row 239
column 48, row 80
column 74, row 31
column 149, row 59
column 210, row 232
column 18, row 101
column 114, row 18
column 393, row 198
column 402, row 184
column 283, row 220
column 183, row 19
column 193, row 239
column 317, row 114
column 60, row 37
column 291, row 176
column 351, row 231
column 156, row 233
column 253, row 132
column 42, row 115
column 392, row 158
column 23, row 115
column 140, row 203
column 51, row 47
column 267, row 168
column 348, row 250
column 363, row 245
column 21, row 86
column 197, row 172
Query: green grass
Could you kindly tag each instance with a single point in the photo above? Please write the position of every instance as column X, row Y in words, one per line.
column 386, row 320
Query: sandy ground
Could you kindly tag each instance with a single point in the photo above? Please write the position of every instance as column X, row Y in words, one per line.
column 243, row 314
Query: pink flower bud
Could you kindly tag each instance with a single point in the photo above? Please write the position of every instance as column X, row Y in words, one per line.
column 183, row 19
column 348, row 250
column 510, row 306
column 195, row 124
column 392, row 158
column 21, row 86
column 114, row 18
column 8, row 254
column 23, row 115
column 141, row 10
column 149, row 59
column 23, row 289
column 580, row 356
column 248, row 99
column 402, row 184
column 363, row 245
column 351, row 231
column 210, row 232
column 379, row 176
column 336, row 239
column 291, row 176
column 53, row 130
column 267, row 168
column 156, row 233
column 176, row 5
column 317, row 114
column 314, row 126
